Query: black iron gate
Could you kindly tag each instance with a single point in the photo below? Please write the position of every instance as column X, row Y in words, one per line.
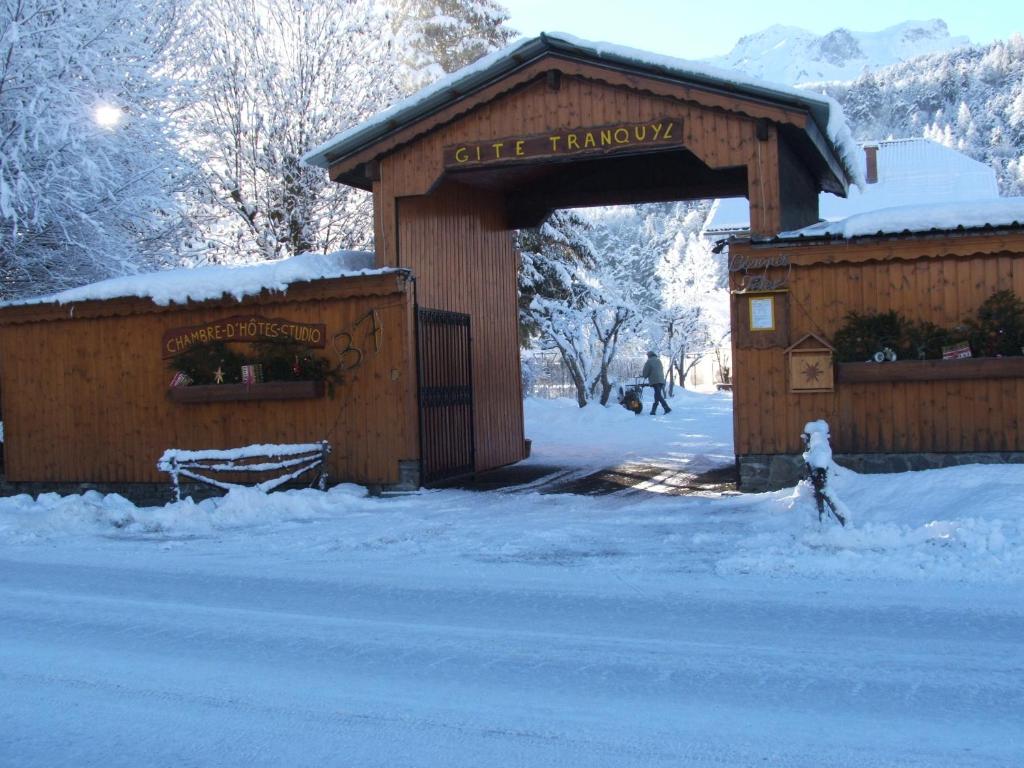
column 446, row 395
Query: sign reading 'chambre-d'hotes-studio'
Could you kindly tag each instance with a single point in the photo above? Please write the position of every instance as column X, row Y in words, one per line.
column 578, row 141
column 243, row 328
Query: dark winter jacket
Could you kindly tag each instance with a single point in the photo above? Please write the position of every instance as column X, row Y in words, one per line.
column 654, row 371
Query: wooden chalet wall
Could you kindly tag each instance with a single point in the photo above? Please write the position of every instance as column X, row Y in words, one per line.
column 85, row 387
column 456, row 244
column 941, row 279
column 720, row 130
column 452, row 228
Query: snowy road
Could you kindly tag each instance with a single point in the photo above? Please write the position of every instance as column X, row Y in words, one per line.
column 136, row 665
column 452, row 628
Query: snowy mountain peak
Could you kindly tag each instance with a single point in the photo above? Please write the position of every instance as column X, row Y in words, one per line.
column 793, row 55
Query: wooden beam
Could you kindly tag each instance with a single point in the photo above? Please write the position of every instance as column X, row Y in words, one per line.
column 346, row 168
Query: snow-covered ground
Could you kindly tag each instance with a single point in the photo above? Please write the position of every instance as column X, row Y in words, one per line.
column 453, row 627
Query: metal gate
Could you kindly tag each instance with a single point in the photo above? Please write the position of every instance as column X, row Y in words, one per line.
column 446, row 395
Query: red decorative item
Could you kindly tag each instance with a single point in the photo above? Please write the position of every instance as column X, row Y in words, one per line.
column 297, row 368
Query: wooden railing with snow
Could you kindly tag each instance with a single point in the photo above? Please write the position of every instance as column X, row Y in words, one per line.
column 290, row 460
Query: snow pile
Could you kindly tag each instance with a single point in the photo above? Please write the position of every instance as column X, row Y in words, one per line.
column 966, row 214
column 961, row 524
column 957, row 524
column 819, row 452
column 178, row 286
column 52, row 517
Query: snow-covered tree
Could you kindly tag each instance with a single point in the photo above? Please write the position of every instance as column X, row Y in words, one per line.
column 88, row 169
column 970, row 98
column 693, row 317
column 271, row 80
column 436, row 37
column 640, row 277
column 556, row 292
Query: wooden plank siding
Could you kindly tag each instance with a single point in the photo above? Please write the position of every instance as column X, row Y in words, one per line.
column 946, row 283
column 456, row 240
column 456, row 244
column 85, row 397
column 611, row 87
column 720, row 138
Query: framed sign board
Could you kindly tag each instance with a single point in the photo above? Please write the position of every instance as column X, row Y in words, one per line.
column 762, row 313
column 761, row 320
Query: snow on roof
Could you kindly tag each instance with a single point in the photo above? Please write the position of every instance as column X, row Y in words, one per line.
column 178, row 286
column 942, row 217
column 826, row 112
column 910, row 172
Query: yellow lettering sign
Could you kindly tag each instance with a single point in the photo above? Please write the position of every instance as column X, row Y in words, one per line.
column 252, row 328
column 516, row 148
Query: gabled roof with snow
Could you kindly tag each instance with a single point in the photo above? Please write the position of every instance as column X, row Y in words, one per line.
column 910, row 172
column 989, row 213
column 825, row 112
column 179, row 286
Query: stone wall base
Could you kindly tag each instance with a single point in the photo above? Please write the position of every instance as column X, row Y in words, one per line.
column 768, row 472
column 158, row 494
column 140, row 494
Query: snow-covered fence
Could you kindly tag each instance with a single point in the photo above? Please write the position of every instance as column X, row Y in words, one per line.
column 818, row 458
column 546, row 376
column 291, row 461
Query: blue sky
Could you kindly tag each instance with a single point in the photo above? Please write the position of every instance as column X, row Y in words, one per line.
column 693, row 30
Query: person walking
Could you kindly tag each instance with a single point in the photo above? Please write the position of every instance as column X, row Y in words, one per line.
column 654, row 372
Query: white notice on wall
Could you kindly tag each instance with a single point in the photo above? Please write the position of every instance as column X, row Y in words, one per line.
column 762, row 314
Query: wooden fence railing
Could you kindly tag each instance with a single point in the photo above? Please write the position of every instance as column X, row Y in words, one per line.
column 290, row 461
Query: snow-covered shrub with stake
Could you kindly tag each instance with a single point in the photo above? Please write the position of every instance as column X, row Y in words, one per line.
column 818, row 458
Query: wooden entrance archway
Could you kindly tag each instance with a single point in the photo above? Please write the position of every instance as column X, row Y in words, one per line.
column 555, row 123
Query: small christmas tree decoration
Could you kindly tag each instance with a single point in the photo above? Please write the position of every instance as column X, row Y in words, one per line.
column 218, row 375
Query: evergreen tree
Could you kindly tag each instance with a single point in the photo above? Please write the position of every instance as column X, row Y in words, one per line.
column 970, row 98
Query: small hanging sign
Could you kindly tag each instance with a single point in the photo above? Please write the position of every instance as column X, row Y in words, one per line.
column 959, row 351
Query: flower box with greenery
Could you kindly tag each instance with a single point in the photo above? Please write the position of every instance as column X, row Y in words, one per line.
column 284, row 370
column 995, row 335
